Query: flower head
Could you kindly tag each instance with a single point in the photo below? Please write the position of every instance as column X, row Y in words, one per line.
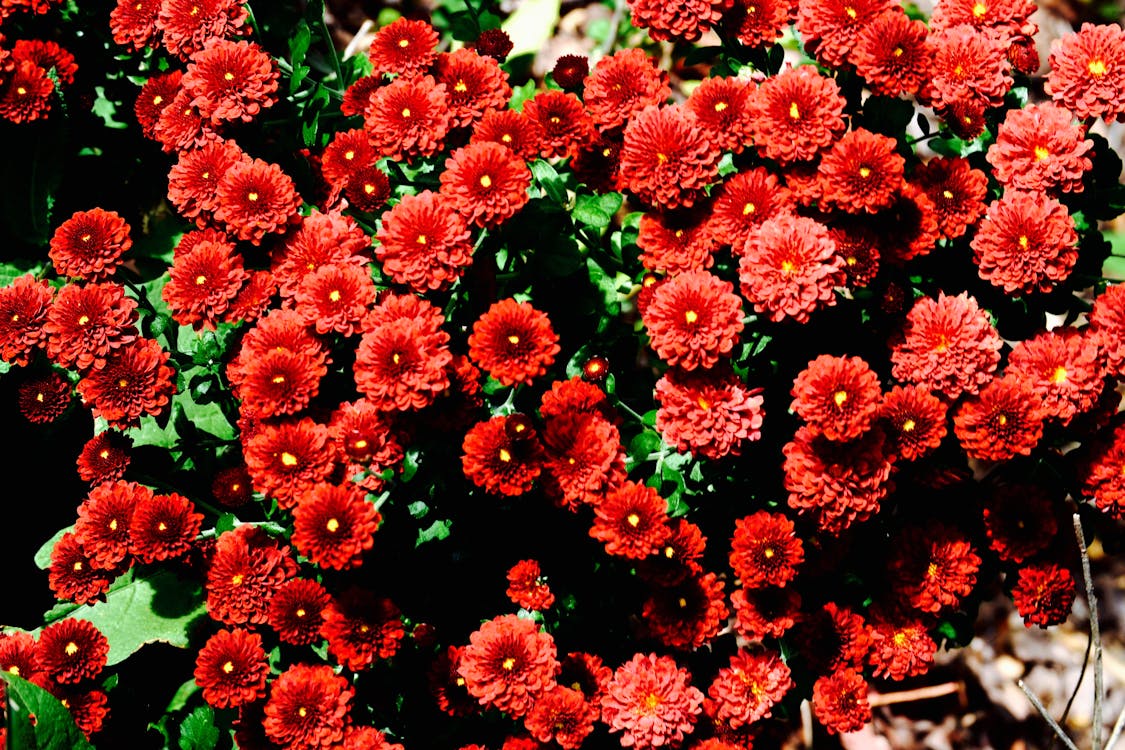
column 839, row 701
column 693, row 320
column 933, row 567
column 89, row 245
column 508, row 664
column 1004, row 420
column 789, row 267
column 513, row 342
column 765, row 551
column 709, row 412
column 621, row 85
column 651, row 702
column 861, row 172
column 667, row 159
column 1040, row 148
column 72, row 650
column 796, row 114
column 295, row 611
column 1087, row 71
column 256, row 198
column 749, row 688
column 308, row 708
column 231, row 81
column 632, row 521
column 914, row 420
column 404, row 46
column 837, row 396
column 408, row 118
column 1044, row 594
column 361, row 627
column 486, row 183
column 136, row 380
column 334, row 525
column 497, row 461
column 232, row 668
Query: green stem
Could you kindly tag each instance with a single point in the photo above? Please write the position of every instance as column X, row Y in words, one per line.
column 326, row 35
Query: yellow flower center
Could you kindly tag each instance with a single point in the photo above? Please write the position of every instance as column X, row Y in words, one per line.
column 794, row 113
column 979, row 10
column 1023, row 241
column 200, row 280
column 513, row 339
column 505, row 456
column 720, row 106
column 228, row 667
column 865, row 172
column 84, row 320
column 406, row 111
column 509, row 664
column 839, row 397
column 1041, row 153
column 850, row 11
column 908, row 425
column 333, row 525
column 228, row 76
column 633, row 520
column 1096, row 67
column 1059, row 375
column 288, row 459
column 485, row 181
column 691, row 316
column 748, row 209
column 71, row 648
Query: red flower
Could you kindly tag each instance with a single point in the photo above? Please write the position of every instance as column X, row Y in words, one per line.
column 861, row 172
column 585, row 673
column 256, row 198
column 367, row 738
column 765, row 613
column 693, row 320
column 840, row 483
column 583, row 457
column 1107, row 321
column 1019, row 520
column 203, row 284
column 26, row 94
column 837, row 396
column 508, row 664
column 189, row 24
column 857, row 242
column 335, row 298
column 308, row 708
column 362, row 434
column 1008, row 16
column 231, row 80
column 563, row 124
column 970, row 67
column 685, row 20
column 743, row 202
column 357, row 96
column 279, row 381
column 333, row 526
column 758, row 22
column 474, row 84
column 88, row 323
column 246, row 571
column 71, row 651
column 765, row 551
column 1087, row 71
column 564, row 715
column 914, row 419
column 179, row 125
column 232, row 486
column 232, row 668
column 362, row 627
column 651, row 702
column 632, row 521
column 676, row 241
column 295, row 611
column 447, row 686
column 194, row 178
column 368, row 188
column 89, row 245
column 163, row 527
column 136, row 380
column 513, row 342
column 948, row 345
column 789, row 267
column 287, row 458
column 104, row 520
column 24, row 307
column 688, row 615
column 72, row 575
column 156, row 95
column 404, row 46
column 509, row 128
column 133, row 23
column 401, row 365
column 1044, row 594
column 892, row 53
column 933, row 567
column 900, row 647
column 708, row 412
column 527, row 588
column 494, row 43
column 424, row 242
column 722, row 107
column 621, row 85
column 408, row 117
column 88, row 708
column 47, row 55
column 486, row 183
column 1026, row 243
column 104, row 457
column 496, row 461
column 18, row 655
column 1065, row 366
column 839, row 702
column 44, row 399
column 909, row 227
column 348, row 153
column 1040, row 148
column 667, row 159
column 575, row 396
column 957, row 191
column 796, row 114
column 749, row 688
column 1103, row 474
column 320, row 240
column 830, row 29
column 1004, row 420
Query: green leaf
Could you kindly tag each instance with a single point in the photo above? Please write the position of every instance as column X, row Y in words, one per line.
column 106, row 109
column 150, row 432
column 183, row 694
column 198, row 731
column 521, row 94
column 53, row 727
column 436, row 531
column 43, row 554
column 596, row 211
column 643, row 445
column 549, row 180
column 208, row 417
column 159, row 607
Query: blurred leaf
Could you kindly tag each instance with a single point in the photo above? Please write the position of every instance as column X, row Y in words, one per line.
column 198, row 730
column 298, row 48
column 37, row 720
column 531, row 25
column 643, row 445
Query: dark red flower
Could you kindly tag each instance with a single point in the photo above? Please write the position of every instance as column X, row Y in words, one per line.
column 156, row 94
column 901, row 647
column 675, row 241
column 335, row 298
column 765, row 551
column 722, row 107
column 72, row 576
column 667, row 159
column 357, row 96
column 308, row 708
column 677, row 558
column 839, row 702
column 232, row 486
column 632, row 521
column 49, row 56
column 447, row 686
column 232, row 668
column 287, row 458
column 278, row 381
column 348, row 153
column 933, row 567
column 88, row 708
column 24, row 307
column 749, row 688
column 163, row 527
column 368, row 188
column 1087, row 71
column 509, row 128
column 486, row 183
column 362, row 627
column 513, row 342
column 1019, row 520
column 564, row 125
column 1004, row 420
column 424, row 242
column 564, row 715
column 1107, row 323
column 401, row 365
column 45, row 398
column 758, row 22
column 621, row 85
column 133, row 23
column 683, row 20
column 837, row 396
column 651, row 702
column 892, row 53
column 404, row 46
column 334, row 525
column 830, row 29
column 583, row 457
column 796, row 114
column 25, row 95
column 89, row 245
column 87, row 323
column 492, row 459
column 861, row 172
column 231, row 80
column 527, row 588
column 104, row 519
column 72, row 650
column 1026, row 243
column 914, row 419
column 570, row 71
column 765, row 613
column 321, row 239
column 508, row 664
column 188, row 24
column 203, row 284
column 246, row 570
column 18, row 655
column 256, row 198
column 295, row 611
column 475, row 84
column 362, row 435
column 1044, row 594
column 135, row 381
column 743, row 202
column 688, row 615
column 408, row 118
column 494, row 43
column 1040, row 148
column 1103, row 472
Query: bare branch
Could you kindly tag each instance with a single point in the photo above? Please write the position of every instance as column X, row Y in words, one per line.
column 1046, row 716
column 918, row 694
column 1095, row 636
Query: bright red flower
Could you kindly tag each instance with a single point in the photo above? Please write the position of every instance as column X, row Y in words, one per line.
column 188, row 24
column 901, row 647
column 933, row 567
column 88, row 708
column 683, row 20
column 308, row 708
column 362, row 435
column 796, row 114
column 765, row 551
column 104, row 519
column 133, row 23
column 765, row 613
column 155, row 96
column 45, row 398
column 404, row 46
column 136, row 380
column 89, row 245
column 1103, row 473
column 676, row 241
column 194, row 178
column 576, row 396
column 837, row 396
column 335, row 298
column 722, row 107
column 1087, row 71
column 743, row 202
column 486, row 183
column 564, row 715
column 232, row 668
column 72, row 650
column 24, row 307
column 677, row 558
column 362, row 627
column 688, row 615
column 18, row 655
column 163, row 527
column 180, row 127
column 632, row 521
column 368, row 188
column 708, row 412
column 203, row 284
column 1064, row 366
column 914, row 419
column 1008, row 16
column 789, row 267
column 1004, row 420
column 1107, row 323
column 408, row 117
column 513, row 342
column 401, row 364
column 475, row 84
column 47, row 55
column 246, row 571
column 970, row 67
column 668, row 159
column 758, row 22
column 230, row 81
column 621, row 85
column 256, row 198
column 86, row 324
column 651, row 702
column 1020, row 521
column 749, row 688
column 500, row 463
column 583, row 457
column 694, row 319
column 948, row 345
column 1040, row 148
column 892, row 53
column 295, row 611
column 321, row 239
column 334, row 525
column 346, row 154
column 861, row 172
column 357, row 96
column 1044, row 594
column 563, row 124
column 1026, row 243
column 287, row 458
column 508, row 664
column 957, row 191
column 527, row 588
column 25, row 95
column 424, row 242
column 830, row 29
column 509, row 128
column 839, row 701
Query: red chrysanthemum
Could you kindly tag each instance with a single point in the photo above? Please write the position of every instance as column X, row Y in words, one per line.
column 668, row 159
column 837, row 396
column 908, row 228
column 672, row 242
column 693, row 320
column 321, row 239
column 749, row 688
column 632, row 521
column 901, row 647
column 232, row 486
column 970, row 68
column 232, row 668
column 424, row 242
column 308, row 708
column 334, row 525
column 1004, row 420
column 405, row 47
column 858, row 244
column 948, row 345
column 187, row 25
column 892, row 53
column 839, row 701
column 1087, row 71
column 86, row 324
column 509, row 128
column 677, row 558
column 1026, row 243
column 743, row 202
column 49, row 56
column 133, row 23
column 361, row 627
column 256, row 198
column 25, row 95
column 796, row 114
column 513, row 342
column 682, row 20
column 104, row 519
column 163, row 527
column 564, row 715
column 621, row 85
column 1020, row 521
column 765, row 551
column 583, row 457
column 368, row 188
column 651, row 702
column 840, row 483
column 72, row 576
column 289, row 457
column 475, row 84
column 1040, row 148
column 72, row 650
column 402, row 359
column 957, row 191
column 194, row 178
column 203, row 284
column 1107, row 323
column 295, row 611
column 155, row 96
column 497, row 460
column 570, row 71
column 576, row 396
column 278, row 381
column 18, row 655
column 758, row 22
column 688, row 615
column 24, row 306
column 527, row 588
column 88, row 708
column 348, row 153
column 358, row 95
column 335, row 298
column 861, row 172
column 44, row 398
column 562, row 122
column 486, row 183
column 136, row 380
column 230, row 80
column 363, row 436
column 508, row 664
column 1064, row 366
column 722, row 107
column 933, row 567
column 447, row 686
column 1008, row 16
column 494, row 43
column 180, row 127
column 830, row 29
column 246, row 570
column 914, row 419
column 1103, row 473
column 1044, row 594
column 89, row 245
column 708, row 412
column 765, row 613
column 408, row 118
column 789, row 267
